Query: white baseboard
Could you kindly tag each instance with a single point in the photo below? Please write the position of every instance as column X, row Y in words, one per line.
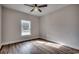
column 46, row 38
column 15, row 41
column 33, row 37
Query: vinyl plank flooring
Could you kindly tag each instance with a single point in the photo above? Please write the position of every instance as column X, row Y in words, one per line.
column 37, row 47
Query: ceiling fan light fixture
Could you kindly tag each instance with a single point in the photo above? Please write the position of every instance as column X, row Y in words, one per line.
column 36, row 9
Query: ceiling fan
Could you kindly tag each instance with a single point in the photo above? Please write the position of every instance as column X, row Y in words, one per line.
column 36, row 7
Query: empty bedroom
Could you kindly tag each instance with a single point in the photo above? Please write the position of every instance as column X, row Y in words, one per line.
column 39, row 28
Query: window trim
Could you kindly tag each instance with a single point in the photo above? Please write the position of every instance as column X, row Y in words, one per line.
column 25, row 34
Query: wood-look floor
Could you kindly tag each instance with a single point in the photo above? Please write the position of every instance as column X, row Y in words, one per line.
column 37, row 47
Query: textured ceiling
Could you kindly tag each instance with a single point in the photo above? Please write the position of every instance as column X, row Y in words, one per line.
column 50, row 8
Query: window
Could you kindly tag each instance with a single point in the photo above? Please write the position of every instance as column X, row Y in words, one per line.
column 25, row 27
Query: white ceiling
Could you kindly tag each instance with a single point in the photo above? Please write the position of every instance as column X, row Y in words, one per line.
column 50, row 8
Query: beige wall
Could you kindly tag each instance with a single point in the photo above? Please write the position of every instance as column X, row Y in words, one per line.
column 12, row 26
column 62, row 26
column 0, row 24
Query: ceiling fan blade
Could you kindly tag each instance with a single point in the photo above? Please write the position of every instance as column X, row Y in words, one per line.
column 39, row 10
column 28, row 5
column 32, row 10
column 42, row 6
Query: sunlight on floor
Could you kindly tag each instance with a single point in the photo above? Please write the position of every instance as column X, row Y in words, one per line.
column 26, row 48
column 50, row 44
